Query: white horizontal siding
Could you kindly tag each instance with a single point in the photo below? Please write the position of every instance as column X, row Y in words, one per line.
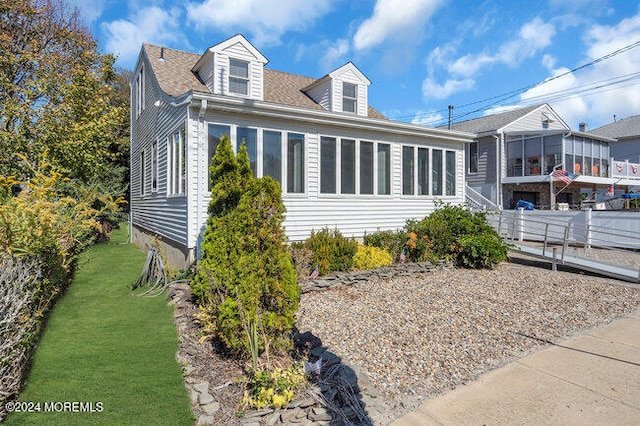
column 221, row 71
column 321, row 94
column 355, row 216
column 153, row 210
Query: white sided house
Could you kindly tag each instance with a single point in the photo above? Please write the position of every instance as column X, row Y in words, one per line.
column 341, row 163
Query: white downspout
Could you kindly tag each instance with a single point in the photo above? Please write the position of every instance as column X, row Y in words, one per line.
column 498, row 171
column 201, row 159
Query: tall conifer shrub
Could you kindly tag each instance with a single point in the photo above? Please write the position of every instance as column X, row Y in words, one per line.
column 245, row 282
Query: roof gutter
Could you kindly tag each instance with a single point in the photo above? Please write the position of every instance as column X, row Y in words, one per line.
column 265, row 109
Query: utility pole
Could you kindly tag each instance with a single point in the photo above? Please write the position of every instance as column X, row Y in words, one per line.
column 450, row 116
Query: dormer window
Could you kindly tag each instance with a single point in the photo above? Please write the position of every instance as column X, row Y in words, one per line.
column 349, row 97
column 238, row 77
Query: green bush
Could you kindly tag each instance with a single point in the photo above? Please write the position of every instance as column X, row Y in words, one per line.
column 245, row 280
column 393, row 241
column 481, row 251
column 453, row 232
column 369, row 257
column 331, row 251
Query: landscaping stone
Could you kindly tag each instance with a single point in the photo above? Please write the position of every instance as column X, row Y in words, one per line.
column 205, row 398
column 211, row 407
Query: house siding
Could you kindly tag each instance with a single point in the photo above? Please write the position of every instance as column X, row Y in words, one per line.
column 221, row 71
column 350, row 77
column 533, row 121
column 322, row 94
column 154, row 211
column 353, row 215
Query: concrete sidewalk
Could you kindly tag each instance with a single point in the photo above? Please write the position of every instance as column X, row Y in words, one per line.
column 590, row 379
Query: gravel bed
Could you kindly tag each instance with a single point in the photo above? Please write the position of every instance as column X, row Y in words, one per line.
column 416, row 337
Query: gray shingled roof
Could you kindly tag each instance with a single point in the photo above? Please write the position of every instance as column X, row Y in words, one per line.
column 491, row 123
column 175, row 78
column 626, row 128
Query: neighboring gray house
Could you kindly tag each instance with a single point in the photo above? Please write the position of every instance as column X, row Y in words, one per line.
column 340, row 162
column 515, row 152
column 626, row 132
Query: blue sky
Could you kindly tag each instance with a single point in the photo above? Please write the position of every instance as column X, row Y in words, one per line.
column 420, row 55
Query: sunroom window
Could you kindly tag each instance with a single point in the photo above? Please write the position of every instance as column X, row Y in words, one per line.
column 238, row 77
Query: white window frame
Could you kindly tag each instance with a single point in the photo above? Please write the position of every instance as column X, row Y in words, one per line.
column 176, row 163
column 140, row 89
column 143, row 172
column 285, row 163
column 154, row 166
column 453, row 174
column 351, row 100
column 246, row 80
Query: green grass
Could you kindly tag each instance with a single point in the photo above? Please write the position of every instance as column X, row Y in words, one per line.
column 101, row 344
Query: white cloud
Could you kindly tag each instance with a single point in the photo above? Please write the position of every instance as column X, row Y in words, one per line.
column 124, row 37
column 534, row 36
column 598, row 106
column 430, row 118
column 90, row 10
column 431, row 89
column 266, row 21
column 394, row 18
column 335, row 55
column 549, row 62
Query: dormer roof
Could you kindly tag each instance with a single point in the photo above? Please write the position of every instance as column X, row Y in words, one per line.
column 174, row 71
column 230, row 42
column 335, row 74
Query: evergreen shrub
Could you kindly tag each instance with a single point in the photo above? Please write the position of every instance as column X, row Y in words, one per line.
column 331, row 251
column 393, row 241
column 245, row 282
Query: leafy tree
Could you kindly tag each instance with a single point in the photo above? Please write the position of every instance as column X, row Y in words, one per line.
column 57, row 95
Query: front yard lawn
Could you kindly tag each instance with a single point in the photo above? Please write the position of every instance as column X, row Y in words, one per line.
column 107, row 351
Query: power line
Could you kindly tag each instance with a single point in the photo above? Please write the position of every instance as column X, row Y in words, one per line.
column 507, row 95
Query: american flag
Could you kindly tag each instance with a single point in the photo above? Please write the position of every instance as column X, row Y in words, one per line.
column 403, row 257
column 563, row 175
column 314, row 274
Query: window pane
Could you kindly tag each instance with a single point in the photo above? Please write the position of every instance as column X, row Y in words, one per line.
column 177, row 151
column 295, row 163
column 349, row 90
column 183, row 162
column 272, row 154
column 532, row 152
column 552, row 152
column 436, row 172
column 250, row 138
column 349, row 97
column 142, row 172
column 423, row 171
column 407, row 170
column 240, row 87
column 238, row 68
column 451, row 173
column 154, row 167
column 384, row 169
column 366, row 167
column 327, row 165
column 473, row 157
column 514, row 158
column 347, row 166
column 214, row 134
